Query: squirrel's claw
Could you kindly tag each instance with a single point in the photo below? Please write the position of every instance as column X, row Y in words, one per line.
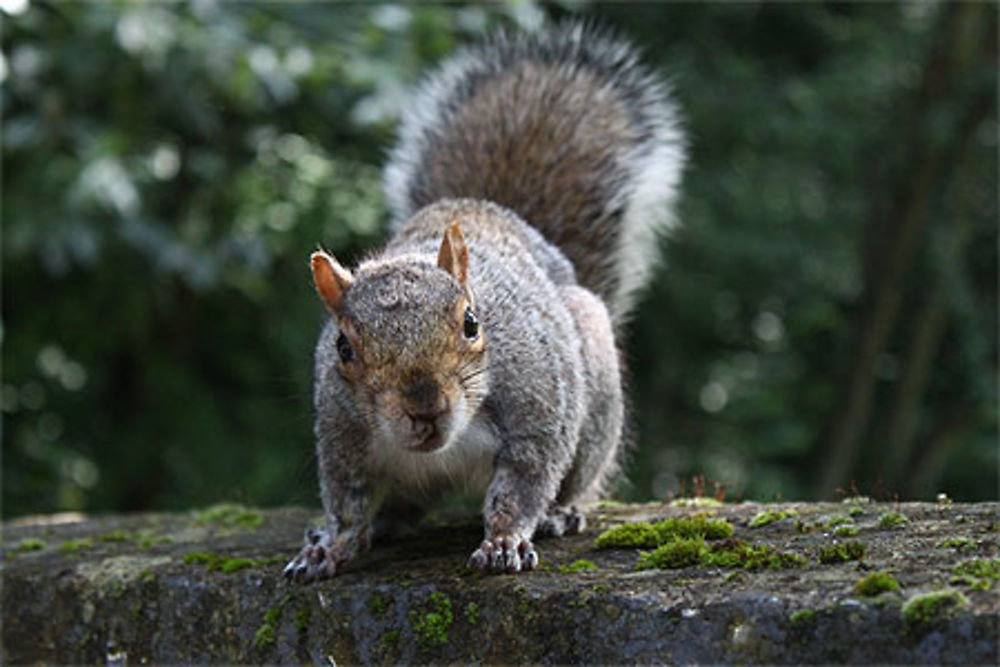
column 314, row 562
column 504, row 553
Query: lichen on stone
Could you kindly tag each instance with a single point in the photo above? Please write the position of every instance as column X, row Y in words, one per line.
column 699, row 501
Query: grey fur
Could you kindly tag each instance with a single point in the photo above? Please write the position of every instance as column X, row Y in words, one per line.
column 532, row 412
column 605, row 209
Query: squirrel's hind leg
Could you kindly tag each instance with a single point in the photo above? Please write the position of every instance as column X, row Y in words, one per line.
column 560, row 521
column 597, row 459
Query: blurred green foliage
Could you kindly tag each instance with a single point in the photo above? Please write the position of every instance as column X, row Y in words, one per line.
column 168, row 168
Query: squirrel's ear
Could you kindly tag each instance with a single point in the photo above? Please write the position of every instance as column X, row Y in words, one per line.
column 331, row 279
column 454, row 255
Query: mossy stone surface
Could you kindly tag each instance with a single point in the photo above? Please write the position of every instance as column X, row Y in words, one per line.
column 132, row 596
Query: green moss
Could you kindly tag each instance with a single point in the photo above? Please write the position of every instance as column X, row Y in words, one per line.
column 737, row 553
column 378, row 604
column 115, row 536
column 302, row 618
column 643, row 534
column 29, row 544
column 922, row 611
column 70, row 546
column 698, row 526
column 431, row 628
column 891, row 520
column 960, row 543
column 973, row 583
column 767, row 517
column 267, row 633
column 807, row 526
column 628, row 536
column 856, row 511
column 733, row 576
column 386, row 644
column 684, row 552
column 838, row 521
column 146, row 574
column 681, row 552
column 146, row 540
column 265, row 637
column 980, row 567
column 230, row 515
column 201, row 558
column 845, row 530
column 841, row 553
column 217, row 563
column 230, row 565
column 472, row 613
column 978, row 573
column 875, row 584
column 577, row 566
column 802, row 616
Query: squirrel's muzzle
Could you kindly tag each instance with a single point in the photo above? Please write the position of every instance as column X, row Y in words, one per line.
column 423, row 398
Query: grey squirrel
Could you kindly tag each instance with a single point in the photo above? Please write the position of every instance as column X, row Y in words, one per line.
column 532, row 178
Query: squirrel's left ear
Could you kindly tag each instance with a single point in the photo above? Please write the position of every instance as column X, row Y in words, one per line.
column 331, row 279
column 454, row 255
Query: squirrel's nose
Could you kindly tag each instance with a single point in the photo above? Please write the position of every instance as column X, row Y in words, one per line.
column 424, row 399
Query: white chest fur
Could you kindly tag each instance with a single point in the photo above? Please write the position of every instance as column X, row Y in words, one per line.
column 463, row 465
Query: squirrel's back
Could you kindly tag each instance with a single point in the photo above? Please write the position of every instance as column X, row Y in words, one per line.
column 563, row 127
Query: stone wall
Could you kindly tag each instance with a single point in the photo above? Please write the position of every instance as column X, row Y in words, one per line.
column 206, row 587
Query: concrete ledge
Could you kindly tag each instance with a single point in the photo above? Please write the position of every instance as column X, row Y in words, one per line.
column 206, row 587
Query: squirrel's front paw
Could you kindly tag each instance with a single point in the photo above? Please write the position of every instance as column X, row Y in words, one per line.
column 315, row 561
column 504, row 553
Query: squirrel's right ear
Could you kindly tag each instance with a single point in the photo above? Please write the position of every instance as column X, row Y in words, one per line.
column 453, row 256
column 331, row 279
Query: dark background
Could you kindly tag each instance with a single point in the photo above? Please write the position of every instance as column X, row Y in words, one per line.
column 825, row 322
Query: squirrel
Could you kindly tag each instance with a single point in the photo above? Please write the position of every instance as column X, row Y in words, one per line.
column 532, row 178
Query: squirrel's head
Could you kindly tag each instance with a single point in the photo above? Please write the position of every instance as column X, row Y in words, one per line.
column 409, row 345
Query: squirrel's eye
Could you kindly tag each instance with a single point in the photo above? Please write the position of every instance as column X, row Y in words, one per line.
column 344, row 348
column 470, row 325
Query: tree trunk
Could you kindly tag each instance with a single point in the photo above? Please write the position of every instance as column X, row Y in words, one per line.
column 902, row 227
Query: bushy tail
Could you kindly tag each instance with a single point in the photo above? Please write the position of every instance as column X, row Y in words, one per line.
column 565, row 128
